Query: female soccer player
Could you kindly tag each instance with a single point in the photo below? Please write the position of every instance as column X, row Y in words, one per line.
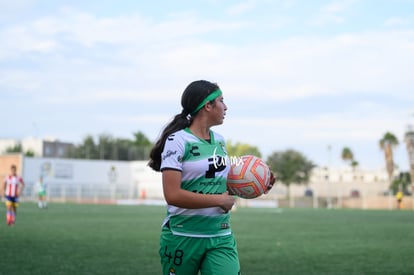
column 41, row 193
column 12, row 188
column 196, row 234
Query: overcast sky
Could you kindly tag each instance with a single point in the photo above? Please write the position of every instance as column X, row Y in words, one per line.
column 301, row 75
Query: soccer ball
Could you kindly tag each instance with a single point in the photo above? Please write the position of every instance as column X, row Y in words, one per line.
column 248, row 178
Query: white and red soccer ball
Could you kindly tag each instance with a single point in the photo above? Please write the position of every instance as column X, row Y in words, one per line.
column 249, row 177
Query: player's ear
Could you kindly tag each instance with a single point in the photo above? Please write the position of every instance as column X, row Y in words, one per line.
column 209, row 105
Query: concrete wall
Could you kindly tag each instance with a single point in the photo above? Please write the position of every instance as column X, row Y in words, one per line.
column 6, row 161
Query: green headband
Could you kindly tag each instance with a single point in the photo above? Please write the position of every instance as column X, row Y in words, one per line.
column 210, row 97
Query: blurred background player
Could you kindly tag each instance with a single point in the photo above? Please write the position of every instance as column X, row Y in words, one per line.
column 41, row 193
column 399, row 196
column 13, row 186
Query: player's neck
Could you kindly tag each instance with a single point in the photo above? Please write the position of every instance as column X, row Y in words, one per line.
column 200, row 131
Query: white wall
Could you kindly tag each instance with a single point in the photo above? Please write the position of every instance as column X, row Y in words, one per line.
column 134, row 176
column 66, row 171
column 148, row 180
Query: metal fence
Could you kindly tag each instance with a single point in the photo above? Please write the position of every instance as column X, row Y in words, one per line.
column 114, row 193
column 83, row 193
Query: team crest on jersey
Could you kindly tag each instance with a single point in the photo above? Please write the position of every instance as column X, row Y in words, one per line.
column 180, row 158
column 172, row 271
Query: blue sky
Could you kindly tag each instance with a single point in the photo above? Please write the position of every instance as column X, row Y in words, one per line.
column 300, row 75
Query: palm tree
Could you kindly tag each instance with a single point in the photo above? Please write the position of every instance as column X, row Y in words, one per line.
column 354, row 164
column 409, row 140
column 388, row 142
column 347, row 155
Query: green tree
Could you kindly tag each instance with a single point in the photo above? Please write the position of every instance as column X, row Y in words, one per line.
column 347, row 155
column 241, row 149
column 290, row 167
column 14, row 149
column 107, row 147
column 19, row 149
column 121, row 149
column 354, row 164
column 387, row 143
column 141, row 146
column 402, row 182
column 141, row 139
column 29, row 153
column 87, row 149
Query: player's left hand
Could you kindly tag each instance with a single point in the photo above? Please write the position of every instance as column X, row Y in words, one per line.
column 271, row 182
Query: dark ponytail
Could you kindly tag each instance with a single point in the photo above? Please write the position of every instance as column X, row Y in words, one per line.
column 192, row 96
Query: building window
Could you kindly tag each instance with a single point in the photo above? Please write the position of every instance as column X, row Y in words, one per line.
column 48, row 150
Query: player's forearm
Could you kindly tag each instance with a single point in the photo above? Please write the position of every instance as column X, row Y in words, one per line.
column 186, row 199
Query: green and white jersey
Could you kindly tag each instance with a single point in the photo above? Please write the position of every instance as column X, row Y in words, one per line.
column 204, row 167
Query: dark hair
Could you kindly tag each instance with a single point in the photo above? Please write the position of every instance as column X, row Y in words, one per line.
column 192, row 96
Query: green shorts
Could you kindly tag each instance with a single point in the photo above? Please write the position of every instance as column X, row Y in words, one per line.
column 182, row 255
column 41, row 193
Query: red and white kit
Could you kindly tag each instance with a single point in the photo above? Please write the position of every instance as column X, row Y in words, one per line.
column 12, row 185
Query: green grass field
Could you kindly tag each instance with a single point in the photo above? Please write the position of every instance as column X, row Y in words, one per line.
column 110, row 239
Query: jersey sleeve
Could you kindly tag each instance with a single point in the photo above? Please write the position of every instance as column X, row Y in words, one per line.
column 172, row 156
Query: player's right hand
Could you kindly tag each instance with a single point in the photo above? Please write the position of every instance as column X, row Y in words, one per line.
column 227, row 201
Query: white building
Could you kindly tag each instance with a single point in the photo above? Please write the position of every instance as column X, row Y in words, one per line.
column 39, row 147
